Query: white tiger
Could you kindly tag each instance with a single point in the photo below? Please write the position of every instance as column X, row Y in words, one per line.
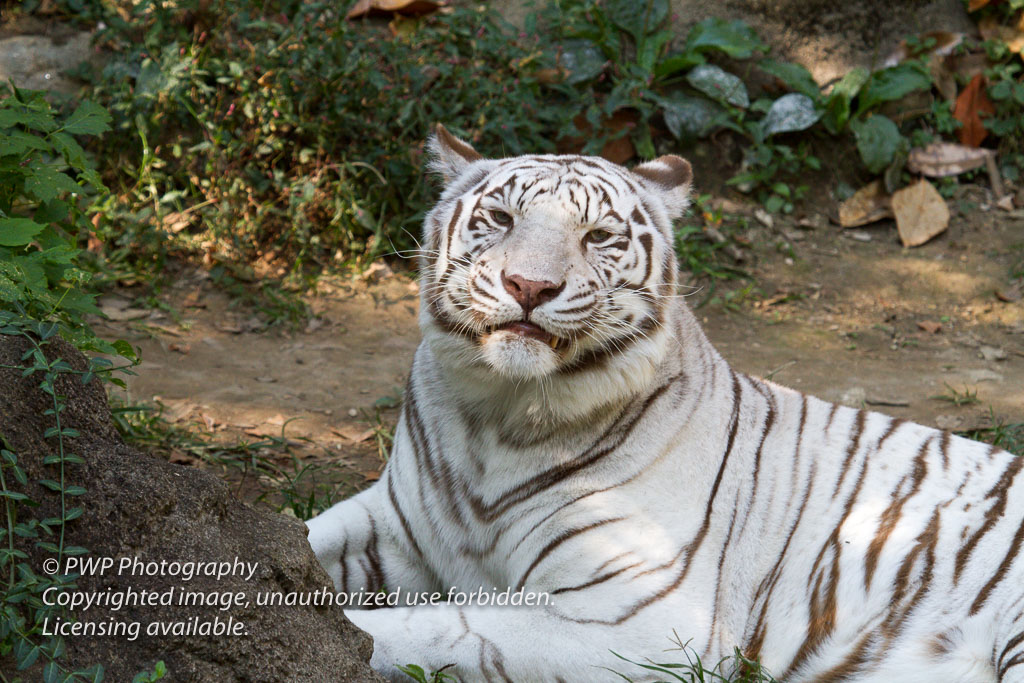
column 569, row 430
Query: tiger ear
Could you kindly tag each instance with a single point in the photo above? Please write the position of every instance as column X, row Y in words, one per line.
column 449, row 155
column 670, row 177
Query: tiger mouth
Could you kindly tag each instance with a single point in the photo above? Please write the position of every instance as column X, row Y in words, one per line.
column 524, row 328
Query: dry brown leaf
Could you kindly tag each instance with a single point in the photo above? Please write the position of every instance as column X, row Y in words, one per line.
column 930, row 326
column 943, row 43
column 970, row 106
column 1011, row 293
column 617, row 151
column 371, row 475
column 975, row 5
column 363, row 8
column 869, row 204
column 1011, row 36
column 941, row 159
column 921, row 213
column 183, row 349
column 181, row 458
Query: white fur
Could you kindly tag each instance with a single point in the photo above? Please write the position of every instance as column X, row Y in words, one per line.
column 658, row 491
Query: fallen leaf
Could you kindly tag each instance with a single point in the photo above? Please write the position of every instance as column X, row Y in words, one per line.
column 619, row 150
column 930, row 326
column 123, row 314
column 942, row 43
column 941, row 159
column 1011, row 293
column 353, row 434
column 363, row 8
column 921, row 213
column 975, row 5
column 371, row 475
column 1011, row 36
column 181, row 458
column 180, row 348
column 868, row 204
column 208, row 421
column 970, row 105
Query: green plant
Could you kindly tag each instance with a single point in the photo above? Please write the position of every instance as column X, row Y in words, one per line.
column 958, row 398
column 734, row 669
column 1006, row 435
column 419, row 674
column 158, row 672
column 289, row 139
column 23, row 611
column 47, row 187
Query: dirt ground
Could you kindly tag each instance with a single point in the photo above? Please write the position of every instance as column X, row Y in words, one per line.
column 847, row 315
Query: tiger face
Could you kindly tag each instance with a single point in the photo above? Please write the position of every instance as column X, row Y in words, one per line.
column 540, row 266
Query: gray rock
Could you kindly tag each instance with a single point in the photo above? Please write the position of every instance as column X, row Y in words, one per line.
column 38, row 62
column 138, row 506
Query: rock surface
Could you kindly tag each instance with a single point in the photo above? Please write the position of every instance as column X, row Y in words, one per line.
column 137, row 506
column 38, row 62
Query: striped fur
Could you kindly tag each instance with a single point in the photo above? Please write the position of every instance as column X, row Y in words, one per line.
column 630, row 473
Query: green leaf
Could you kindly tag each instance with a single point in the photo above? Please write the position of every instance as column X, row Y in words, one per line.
column 30, row 118
column 837, row 108
column 633, row 17
column 878, row 140
column 583, row 59
column 892, row 84
column 19, row 142
column 47, row 183
column 679, row 61
column 719, row 84
column 689, row 117
column 88, row 119
column 790, row 113
column 17, row 232
column 796, row 77
column 734, row 38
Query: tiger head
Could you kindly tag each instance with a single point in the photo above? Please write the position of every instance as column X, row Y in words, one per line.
column 541, row 268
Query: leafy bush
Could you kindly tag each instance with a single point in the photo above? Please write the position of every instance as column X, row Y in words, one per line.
column 46, row 185
column 287, row 136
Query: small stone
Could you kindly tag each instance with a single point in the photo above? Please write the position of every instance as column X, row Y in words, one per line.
column 352, row 412
column 854, row 397
column 992, row 353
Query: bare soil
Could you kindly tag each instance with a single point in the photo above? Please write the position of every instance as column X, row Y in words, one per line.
column 849, row 316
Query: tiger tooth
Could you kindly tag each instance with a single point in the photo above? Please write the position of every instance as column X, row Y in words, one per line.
column 553, row 342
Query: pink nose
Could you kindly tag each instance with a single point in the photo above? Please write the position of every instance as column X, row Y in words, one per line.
column 530, row 293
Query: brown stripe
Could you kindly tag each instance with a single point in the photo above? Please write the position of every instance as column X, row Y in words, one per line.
column 851, row 451
column 1013, row 642
column 559, row 540
column 1000, row 574
column 892, row 514
column 401, row 517
column 616, row 433
column 992, row 515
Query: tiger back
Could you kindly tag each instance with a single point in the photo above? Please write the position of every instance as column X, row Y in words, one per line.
column 569, row 433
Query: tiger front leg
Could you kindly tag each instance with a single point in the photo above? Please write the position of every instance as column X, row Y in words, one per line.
column 356, row 543
column 500, row 644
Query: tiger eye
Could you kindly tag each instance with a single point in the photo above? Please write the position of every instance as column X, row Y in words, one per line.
column 598, row 235
column 501, row 218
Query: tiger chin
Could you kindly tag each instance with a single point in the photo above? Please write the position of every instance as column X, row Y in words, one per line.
column 569, row 433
